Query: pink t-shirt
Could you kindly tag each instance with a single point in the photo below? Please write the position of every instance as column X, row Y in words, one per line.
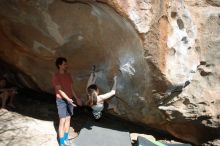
column 65, row 81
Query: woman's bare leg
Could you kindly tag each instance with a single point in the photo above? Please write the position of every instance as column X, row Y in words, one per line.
column 92, row 78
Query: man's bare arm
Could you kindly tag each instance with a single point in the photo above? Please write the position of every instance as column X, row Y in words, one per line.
column 64, row 95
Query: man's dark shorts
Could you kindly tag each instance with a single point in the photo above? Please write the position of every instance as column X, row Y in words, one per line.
column 65, row 109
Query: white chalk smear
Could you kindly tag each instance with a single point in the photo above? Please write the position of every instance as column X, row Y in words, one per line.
column 128, row 68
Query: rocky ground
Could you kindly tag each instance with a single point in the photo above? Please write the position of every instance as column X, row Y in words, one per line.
column 34, row 122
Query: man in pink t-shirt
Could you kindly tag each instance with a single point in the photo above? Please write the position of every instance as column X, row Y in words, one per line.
column 63, row 85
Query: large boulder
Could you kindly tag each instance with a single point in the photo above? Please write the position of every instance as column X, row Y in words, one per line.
column 165, row 53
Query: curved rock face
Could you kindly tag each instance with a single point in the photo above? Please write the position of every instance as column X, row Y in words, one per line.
column 213, row 2
column 167, row 53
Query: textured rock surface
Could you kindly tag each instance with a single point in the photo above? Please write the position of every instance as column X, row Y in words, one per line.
column 168, row 52
column 23, row 130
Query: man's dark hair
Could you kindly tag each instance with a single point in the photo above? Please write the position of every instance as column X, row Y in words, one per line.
column 60, row 61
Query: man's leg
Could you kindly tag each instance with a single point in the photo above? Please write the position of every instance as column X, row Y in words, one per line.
column 61, row 130
column 66, row 128
column 67, row 122
column 61, row 106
